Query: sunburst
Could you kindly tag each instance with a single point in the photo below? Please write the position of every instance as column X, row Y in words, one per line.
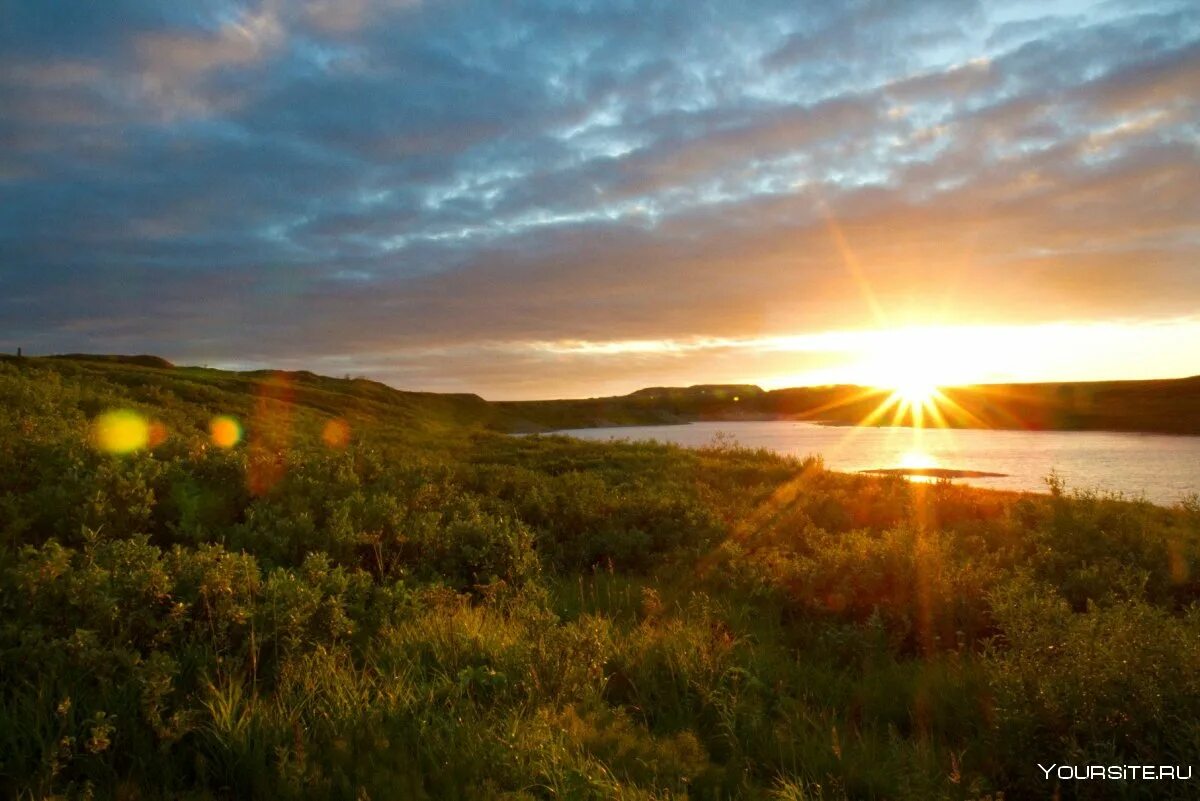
column 916, row 400
column 916, row 392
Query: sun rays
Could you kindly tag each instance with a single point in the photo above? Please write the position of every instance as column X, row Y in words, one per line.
column 908, row 366
column 916, row 392
column 909, row 405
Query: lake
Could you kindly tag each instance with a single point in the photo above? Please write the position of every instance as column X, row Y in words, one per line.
column 1163, row 468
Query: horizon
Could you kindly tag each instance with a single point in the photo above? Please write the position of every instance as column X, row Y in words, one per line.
column 580, row 201
column 871, row 388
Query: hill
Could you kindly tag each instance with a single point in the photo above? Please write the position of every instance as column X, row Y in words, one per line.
column 156, row 382
column 1169, row 406
column 650, row 406
column 1163, row 406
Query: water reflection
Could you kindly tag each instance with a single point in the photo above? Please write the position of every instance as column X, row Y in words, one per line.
column 916, row 458
column 1160, row 467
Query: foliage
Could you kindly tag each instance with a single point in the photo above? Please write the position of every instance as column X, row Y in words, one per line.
column 429, row 610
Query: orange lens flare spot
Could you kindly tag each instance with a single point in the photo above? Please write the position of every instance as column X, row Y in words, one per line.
column 157, row 434
column 336, row 434
column 120, row 431
column 225, row 431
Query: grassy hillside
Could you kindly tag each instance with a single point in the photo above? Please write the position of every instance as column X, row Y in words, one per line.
column 157, row 383
column 366, row 594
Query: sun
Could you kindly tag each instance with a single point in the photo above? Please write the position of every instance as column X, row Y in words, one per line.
column 910, row 371
column 915, row 392
column 911, row 378
column 910, row 392
column 913, row 398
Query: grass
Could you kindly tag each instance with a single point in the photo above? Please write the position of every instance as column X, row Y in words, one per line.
column 429, row 609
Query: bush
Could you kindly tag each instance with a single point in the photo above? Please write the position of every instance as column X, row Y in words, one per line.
column 425, row 611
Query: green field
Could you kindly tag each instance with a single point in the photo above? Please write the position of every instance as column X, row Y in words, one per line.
column 375, row 595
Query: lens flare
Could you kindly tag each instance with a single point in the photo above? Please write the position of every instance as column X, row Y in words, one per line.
column 336, row 434
column 225, row 431
column 157, row 434
column 120, row 431
column 270, row 436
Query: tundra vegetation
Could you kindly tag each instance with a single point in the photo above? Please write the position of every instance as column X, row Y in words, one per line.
column 228, row 585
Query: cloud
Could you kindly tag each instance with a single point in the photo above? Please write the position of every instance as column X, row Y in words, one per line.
column 178, row 73
column 310, row 183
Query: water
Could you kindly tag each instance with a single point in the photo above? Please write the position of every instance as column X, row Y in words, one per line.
column 1160, row 467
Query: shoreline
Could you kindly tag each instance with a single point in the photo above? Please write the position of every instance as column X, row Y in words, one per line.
column 843, row 424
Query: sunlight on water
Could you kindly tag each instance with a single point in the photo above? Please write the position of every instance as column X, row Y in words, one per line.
column 916, row 458
column 225, row 431
column 1160, row 467
column 121, row 431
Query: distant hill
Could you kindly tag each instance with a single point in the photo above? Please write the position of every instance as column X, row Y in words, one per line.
column 1160, row 406
column 650, row 406
column 699, row 392
column 141, row 361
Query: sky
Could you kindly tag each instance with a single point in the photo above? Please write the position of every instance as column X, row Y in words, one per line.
column 548, row 199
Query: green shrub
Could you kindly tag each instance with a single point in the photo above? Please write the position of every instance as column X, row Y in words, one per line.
column 432, row 611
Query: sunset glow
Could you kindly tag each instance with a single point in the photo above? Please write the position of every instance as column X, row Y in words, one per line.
column 576, row 399
column 819, row 193
column 916, row 360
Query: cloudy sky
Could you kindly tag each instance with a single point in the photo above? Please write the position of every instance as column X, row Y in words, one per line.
column 533, row 199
